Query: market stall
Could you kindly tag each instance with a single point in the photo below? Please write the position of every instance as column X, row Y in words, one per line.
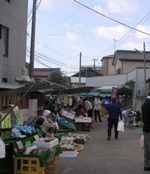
column 26, row 148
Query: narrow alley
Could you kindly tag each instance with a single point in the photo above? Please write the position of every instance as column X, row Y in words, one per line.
column 121, row 156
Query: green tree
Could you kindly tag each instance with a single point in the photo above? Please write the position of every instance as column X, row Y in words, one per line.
column 60, row 78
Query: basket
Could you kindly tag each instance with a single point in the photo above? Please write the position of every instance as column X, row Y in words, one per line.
column 28, row 165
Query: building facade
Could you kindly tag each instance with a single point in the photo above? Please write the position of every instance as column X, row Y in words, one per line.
column 13, row 32
column 126, row 60
column 44, row 73
column 107, row 67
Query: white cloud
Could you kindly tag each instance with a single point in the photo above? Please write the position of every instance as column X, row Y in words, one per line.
column 131, row 45
column 145, row 29
column 66, row 25
column 123, row 6
column 79, row 48
column 110, row 33
column 72, row 36
column 78, row 25
column 54, row 4
column 98, row 8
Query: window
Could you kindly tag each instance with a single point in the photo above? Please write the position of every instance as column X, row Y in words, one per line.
column 8, row 1
column 4, row 80
column 119, row 71
column 4, row 35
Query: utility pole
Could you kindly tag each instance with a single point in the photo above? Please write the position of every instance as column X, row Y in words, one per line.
column 95, row 62
column 114, row 44
column 80, row 70
column 144, row 58
column 32, row 47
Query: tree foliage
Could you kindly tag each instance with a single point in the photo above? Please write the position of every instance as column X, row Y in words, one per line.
column 60, row 78
column 127, row 88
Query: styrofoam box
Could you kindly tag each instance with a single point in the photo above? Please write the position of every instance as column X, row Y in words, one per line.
column 42, row 144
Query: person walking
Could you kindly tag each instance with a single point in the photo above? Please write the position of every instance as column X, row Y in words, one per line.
column 114, row 112
column 146, row 131
column 97, row 105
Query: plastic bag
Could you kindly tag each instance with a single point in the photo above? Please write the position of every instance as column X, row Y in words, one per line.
column 2, row 149
column 120, row 127
column 141, row 141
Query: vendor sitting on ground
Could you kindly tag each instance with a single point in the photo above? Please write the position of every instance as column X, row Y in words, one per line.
column 80, row 111
column 45, row 122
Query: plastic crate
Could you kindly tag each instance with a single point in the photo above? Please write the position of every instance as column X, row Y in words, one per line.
column 28, row 165
column 5, row 134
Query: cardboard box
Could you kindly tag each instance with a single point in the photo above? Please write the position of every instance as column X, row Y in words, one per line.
column 52, row 167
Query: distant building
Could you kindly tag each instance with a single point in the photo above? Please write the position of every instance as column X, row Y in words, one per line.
column 85, row 73
column 44, row 73
column 13, row 31
column 126, row 60
column 107, row 68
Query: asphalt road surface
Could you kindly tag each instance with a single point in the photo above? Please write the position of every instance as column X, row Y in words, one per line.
column 100, row 156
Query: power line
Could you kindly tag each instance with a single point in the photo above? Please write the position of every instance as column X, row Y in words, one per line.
column 31, row 12
column 48, row 59
column 126, row 25
column 143, row 20
column 123, row 38
column 57, row 52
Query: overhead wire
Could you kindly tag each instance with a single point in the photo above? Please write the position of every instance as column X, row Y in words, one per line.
column 112, row 19
column 47, row 66
column 48, row 59
column 123, row 38
column 58, row 52
column 52, row 60
column 31, row 12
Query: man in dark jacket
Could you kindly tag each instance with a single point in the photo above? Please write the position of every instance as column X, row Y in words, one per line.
column 146, row 131
column 114, row 112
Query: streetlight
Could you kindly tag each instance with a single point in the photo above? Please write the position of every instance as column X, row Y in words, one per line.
column 144, row 59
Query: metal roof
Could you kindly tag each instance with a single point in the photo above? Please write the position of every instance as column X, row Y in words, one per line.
column 130, row 55
column 10, row 86
column 34, row 87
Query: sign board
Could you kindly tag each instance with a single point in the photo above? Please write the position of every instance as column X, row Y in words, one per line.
column 33, row 107
column 68, row 114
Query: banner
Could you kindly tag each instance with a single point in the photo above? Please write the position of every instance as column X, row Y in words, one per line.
column 114, row 92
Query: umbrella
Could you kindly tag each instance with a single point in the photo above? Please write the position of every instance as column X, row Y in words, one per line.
column 104, row 89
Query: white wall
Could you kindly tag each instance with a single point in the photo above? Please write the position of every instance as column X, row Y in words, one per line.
column 14, row 16
column 112, row 80
column 130, row 65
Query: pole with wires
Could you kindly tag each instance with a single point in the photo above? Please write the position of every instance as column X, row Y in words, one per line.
column 32, row 39
column 144, row 59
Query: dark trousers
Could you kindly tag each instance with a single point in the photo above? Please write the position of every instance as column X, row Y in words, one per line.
column 110, row 126
column 97, row 115
column 89, row 112
column 146, row 149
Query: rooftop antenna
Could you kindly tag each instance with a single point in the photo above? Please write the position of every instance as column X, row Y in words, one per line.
column 114, row 44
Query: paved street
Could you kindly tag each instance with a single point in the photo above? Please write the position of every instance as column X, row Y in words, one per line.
column 122, row 156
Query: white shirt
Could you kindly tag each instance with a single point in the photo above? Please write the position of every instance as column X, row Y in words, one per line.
column 97, row 104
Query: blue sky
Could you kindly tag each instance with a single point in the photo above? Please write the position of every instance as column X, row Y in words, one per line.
column 64, row 29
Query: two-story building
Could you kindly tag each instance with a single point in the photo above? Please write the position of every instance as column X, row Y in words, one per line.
column 125, row 61
column 13, row 33
column 107, row 68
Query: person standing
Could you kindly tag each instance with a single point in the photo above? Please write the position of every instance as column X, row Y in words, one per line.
column 146, row 131
column 114, row 112
column 97, row 105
